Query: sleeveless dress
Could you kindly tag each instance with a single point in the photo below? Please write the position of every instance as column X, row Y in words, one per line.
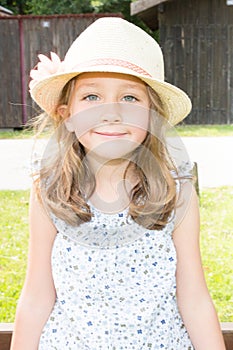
column 116, row 287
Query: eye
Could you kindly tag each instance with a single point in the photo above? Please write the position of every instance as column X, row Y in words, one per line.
column 91, row 98
column 129, row 98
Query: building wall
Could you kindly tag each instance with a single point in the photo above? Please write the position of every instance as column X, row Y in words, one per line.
column 197, row 39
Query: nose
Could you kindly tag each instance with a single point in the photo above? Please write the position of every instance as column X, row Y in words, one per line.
column 111, row 113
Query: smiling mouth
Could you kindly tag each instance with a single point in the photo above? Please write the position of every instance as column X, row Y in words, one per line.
column 110, row 134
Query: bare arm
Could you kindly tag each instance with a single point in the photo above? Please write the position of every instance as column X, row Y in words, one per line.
column 194, row 301
column 38, row 294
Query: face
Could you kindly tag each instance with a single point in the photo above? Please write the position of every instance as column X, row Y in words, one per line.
column 109, row 113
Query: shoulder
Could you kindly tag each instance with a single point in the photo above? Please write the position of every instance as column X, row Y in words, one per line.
column 187, row 204
column 185, row 169
column 39, row 219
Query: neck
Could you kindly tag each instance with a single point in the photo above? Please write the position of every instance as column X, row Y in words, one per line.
column 112, row 189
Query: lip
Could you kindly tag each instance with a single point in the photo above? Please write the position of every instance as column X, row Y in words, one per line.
column 110, row 134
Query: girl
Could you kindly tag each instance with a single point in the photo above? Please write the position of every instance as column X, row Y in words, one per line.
column 114, row 260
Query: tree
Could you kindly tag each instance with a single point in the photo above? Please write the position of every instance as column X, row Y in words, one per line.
column 115, row 6
column 18, row 7
column 123, row 6
column 51, row 7
column 48, row 7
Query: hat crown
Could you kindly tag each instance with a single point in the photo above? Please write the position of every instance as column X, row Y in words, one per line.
column 114, row 41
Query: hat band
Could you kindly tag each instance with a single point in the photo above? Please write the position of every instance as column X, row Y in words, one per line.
column 112, row 62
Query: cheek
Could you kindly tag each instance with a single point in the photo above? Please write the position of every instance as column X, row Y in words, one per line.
column 82, row 122
column 139, row 125
column 138, row 134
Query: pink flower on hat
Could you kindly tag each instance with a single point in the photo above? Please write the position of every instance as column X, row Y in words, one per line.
column 45, row 68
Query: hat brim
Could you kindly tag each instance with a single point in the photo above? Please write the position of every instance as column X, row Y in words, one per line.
column 176, row 103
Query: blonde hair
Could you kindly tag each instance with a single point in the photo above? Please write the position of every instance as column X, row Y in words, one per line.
column 65, row 182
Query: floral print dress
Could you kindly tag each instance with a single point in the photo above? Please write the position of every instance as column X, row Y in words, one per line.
column 116, row 287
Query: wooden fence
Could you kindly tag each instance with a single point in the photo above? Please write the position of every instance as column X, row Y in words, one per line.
column 22, row 38
column 6, row 333
column 197, row 39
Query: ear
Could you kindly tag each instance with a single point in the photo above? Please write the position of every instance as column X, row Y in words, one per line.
column 63, row 111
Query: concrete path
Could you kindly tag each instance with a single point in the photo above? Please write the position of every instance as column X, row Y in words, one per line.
column 15, row 162
column 213, row 156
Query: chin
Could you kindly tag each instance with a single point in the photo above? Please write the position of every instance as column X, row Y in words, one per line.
column 113, row 150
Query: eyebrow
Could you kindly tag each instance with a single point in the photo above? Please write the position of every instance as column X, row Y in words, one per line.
column 127, row 85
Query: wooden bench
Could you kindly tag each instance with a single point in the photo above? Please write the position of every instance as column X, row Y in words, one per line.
column 227, row 330
column 6, row 332
column 5, row 335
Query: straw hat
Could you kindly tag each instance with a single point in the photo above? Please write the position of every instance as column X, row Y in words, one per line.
column 110, row 44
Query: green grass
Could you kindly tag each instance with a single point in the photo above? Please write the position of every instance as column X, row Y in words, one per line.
column 13, row 249
column 204, row 130
column 20, row 134
column 183, row 131
column 216, row 245
column 15, row 134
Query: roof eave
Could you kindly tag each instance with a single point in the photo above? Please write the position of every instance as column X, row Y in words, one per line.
column 5, row 11
column 139, row 6
column 147, row 10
